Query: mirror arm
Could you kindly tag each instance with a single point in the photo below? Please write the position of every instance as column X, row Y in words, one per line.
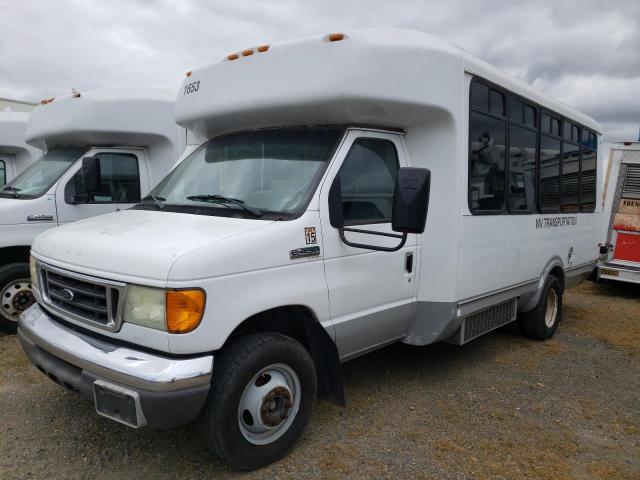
column 373, row 247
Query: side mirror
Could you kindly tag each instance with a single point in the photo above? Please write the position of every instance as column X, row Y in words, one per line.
column 90, row 182
column 411, row 200
column 336, row 213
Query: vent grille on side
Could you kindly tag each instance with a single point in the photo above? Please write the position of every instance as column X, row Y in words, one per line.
column 631, row 188
column 489, row 319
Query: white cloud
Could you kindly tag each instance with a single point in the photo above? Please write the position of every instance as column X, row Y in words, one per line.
column 586, row 53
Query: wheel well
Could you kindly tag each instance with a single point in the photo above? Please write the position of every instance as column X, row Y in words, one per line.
column 299, row 323
column 14, row 254
column 559, row 274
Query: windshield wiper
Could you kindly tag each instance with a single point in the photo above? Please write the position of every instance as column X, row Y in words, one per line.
column 157, row 201
column 13, row 190
column 225, row 200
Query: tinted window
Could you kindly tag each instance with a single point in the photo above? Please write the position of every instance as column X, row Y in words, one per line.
column 529, row 116
column 555, row 127
column 549, row 193
column 3, row 173
column 119, row 180
column 546, row 123
column 479, row 96
column 522, row 169
column 486, row 162
column 367, row 179
column 570, row 177
column 496, row 102
column 588, row 180
column 566, row 131
column 516, row 110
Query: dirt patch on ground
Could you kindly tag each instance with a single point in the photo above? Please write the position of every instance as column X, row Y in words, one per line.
column 501, row 407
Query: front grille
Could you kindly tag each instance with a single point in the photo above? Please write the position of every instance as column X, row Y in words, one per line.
column 81, row 298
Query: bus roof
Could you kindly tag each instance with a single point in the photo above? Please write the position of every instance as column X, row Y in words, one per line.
column 131, row 116
column 383, row 77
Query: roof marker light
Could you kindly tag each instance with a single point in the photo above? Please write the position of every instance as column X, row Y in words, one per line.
column 75, row 95
column 188, row 74
column 246, row 53
column 233, row 56
column 335, row 37
column 263, row 48
column 47, row 100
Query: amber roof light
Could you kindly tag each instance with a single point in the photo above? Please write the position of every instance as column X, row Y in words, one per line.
column 335, row 37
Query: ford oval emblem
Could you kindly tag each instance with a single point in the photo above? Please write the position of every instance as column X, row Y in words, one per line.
column 67, row 294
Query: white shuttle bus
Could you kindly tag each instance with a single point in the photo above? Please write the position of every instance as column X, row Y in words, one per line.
column 297, row 237
column 620, row 239
column 104, row 150
column 15, row 154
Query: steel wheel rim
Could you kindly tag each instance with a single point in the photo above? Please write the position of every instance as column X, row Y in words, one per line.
column 269, row 404
column 551, row 313
column 15, row 298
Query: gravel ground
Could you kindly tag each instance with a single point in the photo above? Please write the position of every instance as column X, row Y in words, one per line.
column 500, row 407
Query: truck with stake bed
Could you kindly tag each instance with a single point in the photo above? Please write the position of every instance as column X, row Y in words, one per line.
column 356, row 189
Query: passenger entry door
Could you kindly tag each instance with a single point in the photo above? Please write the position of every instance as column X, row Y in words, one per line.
column 122, row 179
column 370, row 292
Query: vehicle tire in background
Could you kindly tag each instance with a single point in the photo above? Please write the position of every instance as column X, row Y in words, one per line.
column 264, row 386
column 15, row 294
column 541, row 322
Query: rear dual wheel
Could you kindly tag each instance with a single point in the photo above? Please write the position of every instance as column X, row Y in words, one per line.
column 16, row 294
column 261, row 398
column 542, row 322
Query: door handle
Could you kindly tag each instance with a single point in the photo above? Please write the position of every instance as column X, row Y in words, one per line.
column 408, row 262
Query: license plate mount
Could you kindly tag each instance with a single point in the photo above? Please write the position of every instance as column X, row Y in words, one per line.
column 119, row 404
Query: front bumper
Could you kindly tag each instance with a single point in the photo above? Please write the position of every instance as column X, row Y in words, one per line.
column 164, row 391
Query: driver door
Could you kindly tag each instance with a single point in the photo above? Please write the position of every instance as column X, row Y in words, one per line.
column 371, row 293
column 121, row 185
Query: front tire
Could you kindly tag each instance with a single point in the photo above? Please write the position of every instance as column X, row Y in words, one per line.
column 261, row 398
column 15, row 294
column 542, row 322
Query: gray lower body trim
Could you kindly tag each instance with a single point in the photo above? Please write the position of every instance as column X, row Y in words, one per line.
column 576, row 275
column 433, row 321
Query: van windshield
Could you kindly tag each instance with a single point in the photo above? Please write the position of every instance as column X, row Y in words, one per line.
column 41, row 175
column 263, row 173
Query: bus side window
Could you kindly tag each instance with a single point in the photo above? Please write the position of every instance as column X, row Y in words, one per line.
column 486, row 162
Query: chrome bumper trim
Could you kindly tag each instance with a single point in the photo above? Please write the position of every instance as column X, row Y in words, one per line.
column 122, row 365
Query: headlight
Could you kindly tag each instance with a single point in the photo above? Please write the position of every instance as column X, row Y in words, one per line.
column 145, row 306
column 175, row 311
column 34, row 273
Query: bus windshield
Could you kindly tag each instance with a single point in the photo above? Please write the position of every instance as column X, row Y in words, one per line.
column 250, row 173
column 41, row 175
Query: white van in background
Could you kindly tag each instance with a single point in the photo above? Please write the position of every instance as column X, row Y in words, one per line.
column 15, row 154
column 620, row 239
column 297, row 236
column 105, row 149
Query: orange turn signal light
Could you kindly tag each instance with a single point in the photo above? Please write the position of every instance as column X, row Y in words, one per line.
column 335, row 37
column 184, row 310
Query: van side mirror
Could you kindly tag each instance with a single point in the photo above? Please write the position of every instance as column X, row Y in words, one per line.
column 409, row 213
column 411, row 200
column 336, row 213
column 90, row 182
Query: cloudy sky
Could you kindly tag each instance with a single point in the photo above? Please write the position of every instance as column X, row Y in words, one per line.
column 584, row 52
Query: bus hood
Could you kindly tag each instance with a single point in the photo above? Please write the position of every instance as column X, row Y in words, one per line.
column 134, row 245
column 14, row 211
